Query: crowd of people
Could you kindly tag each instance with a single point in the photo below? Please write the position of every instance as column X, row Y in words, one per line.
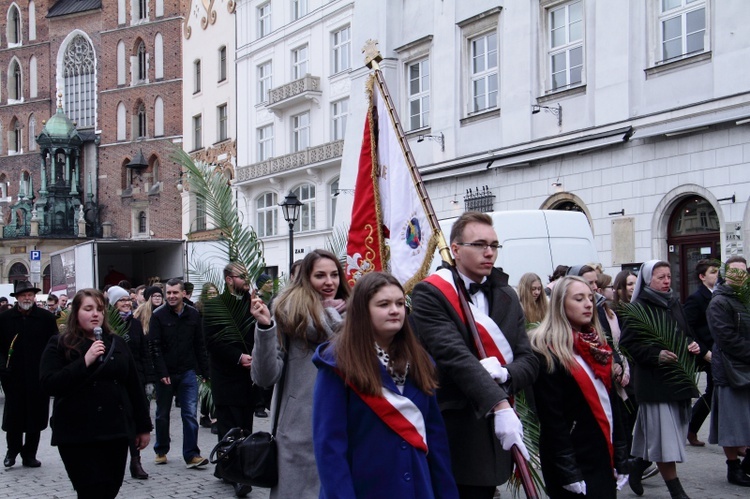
column 373, row 401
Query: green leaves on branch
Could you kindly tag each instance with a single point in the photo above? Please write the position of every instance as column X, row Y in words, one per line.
column 531, row 433
column 659, row 330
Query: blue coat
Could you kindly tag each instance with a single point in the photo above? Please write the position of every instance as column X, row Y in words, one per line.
column 358, row 456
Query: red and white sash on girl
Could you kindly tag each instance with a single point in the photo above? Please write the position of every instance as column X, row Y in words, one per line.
column 399, row 413
column 493, row 339
column 597, row 397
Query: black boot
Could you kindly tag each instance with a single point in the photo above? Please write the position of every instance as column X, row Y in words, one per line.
column 10, row 459
column 675, row 489
column 637, row 466
column 746, row 465
column 136, row 469
column 735, row 474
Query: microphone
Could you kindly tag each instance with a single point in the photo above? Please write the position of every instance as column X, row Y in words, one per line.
column 98, row 337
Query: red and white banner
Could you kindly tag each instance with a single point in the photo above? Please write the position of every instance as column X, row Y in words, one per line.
column 389, row 228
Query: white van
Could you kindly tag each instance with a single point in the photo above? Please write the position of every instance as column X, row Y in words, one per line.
column 537, row 241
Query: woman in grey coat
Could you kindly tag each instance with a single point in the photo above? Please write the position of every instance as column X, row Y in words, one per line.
column 306, row 314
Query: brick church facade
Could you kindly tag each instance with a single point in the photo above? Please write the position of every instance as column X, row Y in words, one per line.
column 115, row 69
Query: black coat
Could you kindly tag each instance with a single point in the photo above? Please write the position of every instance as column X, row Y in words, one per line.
column 95, row 403
column 652, row 380
column 230, row 382
column 26, row 406
column 467, row 392
column 176, row 342
column 138, row 346
column 572, row 446
column 695, row 309
column 730, row 326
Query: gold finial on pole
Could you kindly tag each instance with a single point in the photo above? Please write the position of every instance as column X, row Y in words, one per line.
column 59, row 99
column 372, row 54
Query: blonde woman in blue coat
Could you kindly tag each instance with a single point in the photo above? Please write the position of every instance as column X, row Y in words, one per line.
column 377, row 428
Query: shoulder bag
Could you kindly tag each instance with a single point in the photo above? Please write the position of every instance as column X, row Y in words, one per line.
column 251, row 458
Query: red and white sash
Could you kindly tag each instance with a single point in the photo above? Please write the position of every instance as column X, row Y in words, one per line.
column 399, row 413
column 597, row 397
column 493, row 339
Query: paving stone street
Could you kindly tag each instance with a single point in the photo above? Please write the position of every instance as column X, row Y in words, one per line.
column 703, row 475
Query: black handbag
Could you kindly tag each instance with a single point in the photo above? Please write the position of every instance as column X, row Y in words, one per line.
column 245, row 458
column 251, row 458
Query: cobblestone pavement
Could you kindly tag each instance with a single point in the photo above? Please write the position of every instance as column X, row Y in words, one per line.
column 703, row 475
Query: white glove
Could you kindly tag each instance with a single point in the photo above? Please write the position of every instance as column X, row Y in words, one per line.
column 621, row 480
column 509, row 430
column 492, row 365
column 576, row 488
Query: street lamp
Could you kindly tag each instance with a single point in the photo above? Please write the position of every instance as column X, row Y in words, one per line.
column 291, row 207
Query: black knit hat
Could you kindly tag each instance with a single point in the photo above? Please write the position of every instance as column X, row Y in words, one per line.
column 151, row 290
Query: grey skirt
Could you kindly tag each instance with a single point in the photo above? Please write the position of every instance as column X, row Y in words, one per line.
column 660, row 431
column 730, row 417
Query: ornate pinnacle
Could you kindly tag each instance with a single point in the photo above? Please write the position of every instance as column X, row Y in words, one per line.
column 372, row 54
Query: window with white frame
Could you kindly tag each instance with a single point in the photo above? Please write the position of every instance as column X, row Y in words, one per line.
column 14, row 25
column 141, row 130
column 159, row 117
column 341, row 44
column 33, row 84
column 196, row 76
column 142, row 9
column 222, row 63
column 15, row 141
column 265, row 80
column 141, row 62
column 682, row 27
column 158, row 56
column 339, row 112
column 299, row 9
column 265, row 142
column 300, row 132
column 565, row 24
column 121, row 78
column 299, row 62
column 484, row 76
column 121, row 121
column 334, row 195
column 221, row 125
column 14, row 81
column 200, row 213
column 306, row 195
column 32, row 21
column 32, row 133
column 267, row 215
column 80, row 82
column 197, row 131
column 419, row 94
column 264, row 19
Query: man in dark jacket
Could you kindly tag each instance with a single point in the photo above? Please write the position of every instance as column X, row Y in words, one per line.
column 695, row 311
column 474, row 396
column 24, row 332
column 179, row 354
column 229, row 348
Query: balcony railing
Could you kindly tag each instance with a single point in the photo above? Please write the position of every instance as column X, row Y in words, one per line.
column 307, row 87
column 309, row 156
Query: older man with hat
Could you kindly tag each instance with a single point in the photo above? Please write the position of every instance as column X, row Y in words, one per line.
column 24, row 332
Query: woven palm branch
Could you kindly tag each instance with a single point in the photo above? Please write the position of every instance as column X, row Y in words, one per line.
column 659, row 330
column 738, row 281
column 531, row 434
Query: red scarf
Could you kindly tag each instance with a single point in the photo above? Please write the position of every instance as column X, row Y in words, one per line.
column 597, row 354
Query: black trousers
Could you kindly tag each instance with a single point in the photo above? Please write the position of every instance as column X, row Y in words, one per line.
column 16, row 445
column 96, row 469
column 475, row 492
column 232, row 416
column 702, row 406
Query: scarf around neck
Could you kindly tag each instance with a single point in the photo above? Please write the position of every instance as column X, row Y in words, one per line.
column 597, row 354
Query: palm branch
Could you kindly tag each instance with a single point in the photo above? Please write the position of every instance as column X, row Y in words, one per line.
column 337, row 241
column 738, row 281
column 116, row 324
column 531, row 434
column 659, row 330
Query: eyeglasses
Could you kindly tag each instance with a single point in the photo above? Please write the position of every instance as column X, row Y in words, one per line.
column 482, row 246
column 241, row 276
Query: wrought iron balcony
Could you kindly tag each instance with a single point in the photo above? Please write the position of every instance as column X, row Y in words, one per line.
column 292, row 93
column 310, row 156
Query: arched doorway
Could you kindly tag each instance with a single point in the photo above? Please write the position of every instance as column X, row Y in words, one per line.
column 46, row 279
column 693, row 234
column 18, row 272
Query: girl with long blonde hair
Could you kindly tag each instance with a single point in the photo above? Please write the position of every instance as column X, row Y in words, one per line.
column 532, row 297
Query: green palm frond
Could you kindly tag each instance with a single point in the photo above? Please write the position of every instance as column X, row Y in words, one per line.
column 659, row 330
column 337, row 241
column 531, row 434
column 738, row 281
column 205, row 394
column 238, row 243
column 116, row 324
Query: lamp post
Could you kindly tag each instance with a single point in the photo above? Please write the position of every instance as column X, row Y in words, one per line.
column 291, row 207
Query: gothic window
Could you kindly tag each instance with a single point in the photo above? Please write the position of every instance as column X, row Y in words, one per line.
column 33, row 88
column 141, row 121
column 142, row 62
column 18, row 272
column 14, row 25
column 159, row 56
column 32, row 133
column 80, row 82
column 142, row 222
column 14, row 81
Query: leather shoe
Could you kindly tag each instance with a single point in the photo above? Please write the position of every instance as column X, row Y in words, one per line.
column 636, row 473
column 693, row 440
column 242, row 490
column 260, row 413
column 9, row 460
column 31, row 462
